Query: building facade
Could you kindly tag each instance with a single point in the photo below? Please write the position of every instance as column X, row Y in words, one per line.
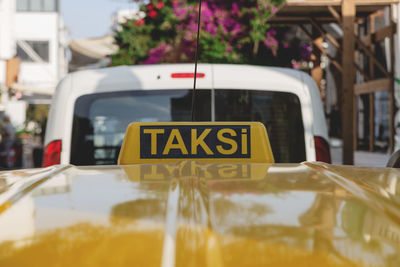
column 33, row 31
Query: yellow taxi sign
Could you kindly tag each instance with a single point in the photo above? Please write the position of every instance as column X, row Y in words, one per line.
column 169, row 142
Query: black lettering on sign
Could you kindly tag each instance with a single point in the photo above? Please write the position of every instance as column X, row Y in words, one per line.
column 195, row 141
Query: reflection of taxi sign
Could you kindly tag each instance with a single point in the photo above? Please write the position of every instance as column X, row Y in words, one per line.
column 202, row 141
column 155, row 173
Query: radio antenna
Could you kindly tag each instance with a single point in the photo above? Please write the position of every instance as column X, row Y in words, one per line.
column 195, row 63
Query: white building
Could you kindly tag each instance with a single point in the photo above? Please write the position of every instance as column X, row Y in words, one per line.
column 34, row 31
column 7, row 46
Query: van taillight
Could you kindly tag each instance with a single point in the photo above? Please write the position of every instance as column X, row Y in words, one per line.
column 187, row 75
column 52, row 153
column 322, row 150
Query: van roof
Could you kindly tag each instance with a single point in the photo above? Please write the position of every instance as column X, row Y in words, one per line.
column 159, row 77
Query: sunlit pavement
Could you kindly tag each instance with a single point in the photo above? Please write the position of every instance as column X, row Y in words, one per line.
column 27, row 152
column 361, row 158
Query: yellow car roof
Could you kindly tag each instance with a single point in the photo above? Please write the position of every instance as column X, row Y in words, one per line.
column 190, row 213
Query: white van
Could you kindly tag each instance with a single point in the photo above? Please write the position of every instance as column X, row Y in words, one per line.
column 91, row 109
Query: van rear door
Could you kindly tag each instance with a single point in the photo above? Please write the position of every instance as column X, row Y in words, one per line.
column 273, row 96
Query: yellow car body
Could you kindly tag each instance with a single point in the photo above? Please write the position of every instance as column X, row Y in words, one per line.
column 191, row 213
column 198, row 214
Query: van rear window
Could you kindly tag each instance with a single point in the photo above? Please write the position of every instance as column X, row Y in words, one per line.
column 279, row 111
column 100, row 119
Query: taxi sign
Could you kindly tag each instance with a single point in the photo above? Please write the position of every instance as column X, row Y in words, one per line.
column 169, row 142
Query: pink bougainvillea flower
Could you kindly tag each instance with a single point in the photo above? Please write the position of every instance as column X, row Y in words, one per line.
column 271, row 32
column 235, row 8
column 272, row 44
column 211, row 28
column 157, row 54
column 152, row 14
column 139, row 22
column 206, row 11
column 305, row 52
column 229, row 49
column 160, row 5
column 179, row 12
column 189, row 35
column 150, row 7
column 225, row 22
column 286, row 45
column 235, row 29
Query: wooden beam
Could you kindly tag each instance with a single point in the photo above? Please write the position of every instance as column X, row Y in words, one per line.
column 359, row 42
column 348, row 80
column 298, row 19
column 371, row 56
column 317, row 73
column 335, row 14
column 378, row 36
column 333, row 61
column 324, row 34
column 391, row 90
column 362, row 72
column 372, row 95
column 12, row 71
column 338, row 2
column 384, row 32
column 372, row 86
column 366, row 39
column 338, row 19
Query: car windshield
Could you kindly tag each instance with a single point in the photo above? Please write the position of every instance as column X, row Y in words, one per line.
column 100, row 120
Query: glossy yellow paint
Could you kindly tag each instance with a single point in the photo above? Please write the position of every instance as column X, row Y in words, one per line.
column 259, row 147
column 5, row 206
column 201, row 214
column 184, row 169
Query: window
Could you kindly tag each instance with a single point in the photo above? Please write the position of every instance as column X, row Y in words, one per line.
column 100, row 120
column 49, row 5
column 279, row 111
column 37, row 5
column 41, row 48
column 23, row 5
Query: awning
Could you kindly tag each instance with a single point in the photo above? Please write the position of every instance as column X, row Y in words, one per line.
column 94, row 47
